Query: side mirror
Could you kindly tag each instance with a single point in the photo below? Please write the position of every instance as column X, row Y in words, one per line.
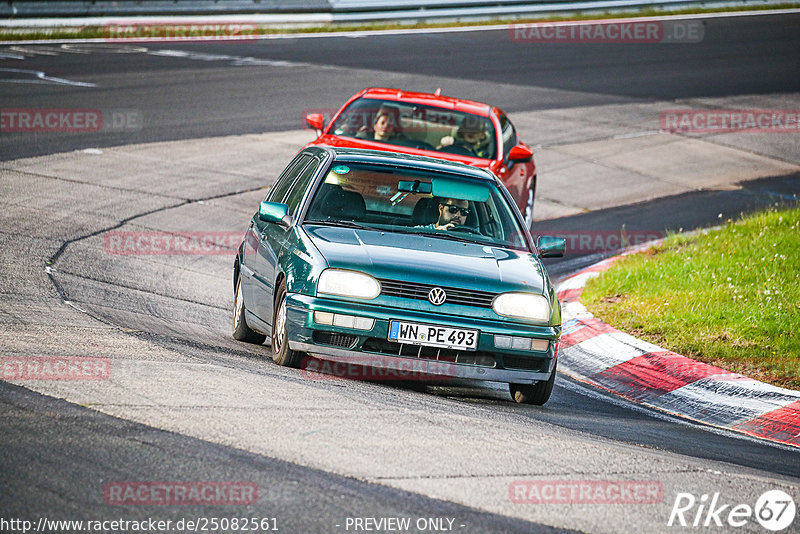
column 551, row 247
column 274, row 212
column 520, row 153
column 315, row 121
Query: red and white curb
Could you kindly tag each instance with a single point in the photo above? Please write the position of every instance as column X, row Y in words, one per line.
column 598, row 354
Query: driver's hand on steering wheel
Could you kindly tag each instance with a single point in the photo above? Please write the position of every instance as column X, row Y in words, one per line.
column 447, row 226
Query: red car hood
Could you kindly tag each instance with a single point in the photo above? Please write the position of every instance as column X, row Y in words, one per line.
column 352, row 142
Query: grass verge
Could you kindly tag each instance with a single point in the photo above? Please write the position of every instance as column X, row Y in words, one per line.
column 728, row 297
column 99, row 32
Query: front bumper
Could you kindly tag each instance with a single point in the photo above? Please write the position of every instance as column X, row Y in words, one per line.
column 372, row 348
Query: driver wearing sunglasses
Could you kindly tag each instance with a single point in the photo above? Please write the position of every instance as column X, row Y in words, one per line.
column 452, row 212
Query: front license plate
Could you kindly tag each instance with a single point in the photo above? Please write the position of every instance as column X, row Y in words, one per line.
column 433, row 336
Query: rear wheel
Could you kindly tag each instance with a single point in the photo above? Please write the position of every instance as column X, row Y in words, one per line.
column 242, row 332
column 281, row 353
column 538, row 393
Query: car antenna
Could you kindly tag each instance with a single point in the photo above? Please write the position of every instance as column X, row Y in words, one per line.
column 438, row 92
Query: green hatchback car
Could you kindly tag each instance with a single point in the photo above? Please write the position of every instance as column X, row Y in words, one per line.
column 400, row 262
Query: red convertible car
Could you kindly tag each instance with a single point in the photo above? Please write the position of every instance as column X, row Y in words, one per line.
column 434, row 125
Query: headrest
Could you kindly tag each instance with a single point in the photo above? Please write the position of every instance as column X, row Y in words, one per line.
column 426, row 211
column 344, row 205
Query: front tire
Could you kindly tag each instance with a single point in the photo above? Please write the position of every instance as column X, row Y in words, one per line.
column 242, row 332
column 281, row 353
column 538, row 393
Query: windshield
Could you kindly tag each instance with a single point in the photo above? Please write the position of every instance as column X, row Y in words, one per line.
column 444, row 206
column 418, row 126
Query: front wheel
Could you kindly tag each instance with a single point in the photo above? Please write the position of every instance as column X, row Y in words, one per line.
column 281, row 353
column 242, row 332
column 538, row 393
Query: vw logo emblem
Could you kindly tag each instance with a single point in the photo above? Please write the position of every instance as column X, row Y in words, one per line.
column 437, row 296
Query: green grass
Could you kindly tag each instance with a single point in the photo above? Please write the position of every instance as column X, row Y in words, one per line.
column 98, row 32
column 729, row 297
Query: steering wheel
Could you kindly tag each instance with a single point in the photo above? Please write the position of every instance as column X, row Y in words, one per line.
column 458, row 149
column 465, row 229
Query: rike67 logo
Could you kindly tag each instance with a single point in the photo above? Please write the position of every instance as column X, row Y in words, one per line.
column 775, row 510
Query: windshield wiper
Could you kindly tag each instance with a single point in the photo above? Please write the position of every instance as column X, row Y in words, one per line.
column 341, row 224
column 453, row 237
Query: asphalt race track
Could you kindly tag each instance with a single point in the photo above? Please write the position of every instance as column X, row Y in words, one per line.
column 190, row 90
column 202, row 130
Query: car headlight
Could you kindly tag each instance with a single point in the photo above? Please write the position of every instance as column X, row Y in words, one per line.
column 523, row 306
column 348, row 284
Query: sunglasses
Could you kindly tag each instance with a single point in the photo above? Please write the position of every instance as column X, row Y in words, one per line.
column 455, row 209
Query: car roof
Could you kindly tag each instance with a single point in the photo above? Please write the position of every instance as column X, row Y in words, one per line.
column 397, row 159
column 457, row 104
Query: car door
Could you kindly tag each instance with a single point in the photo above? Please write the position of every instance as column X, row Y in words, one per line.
column 255, row 286
column 274, row 237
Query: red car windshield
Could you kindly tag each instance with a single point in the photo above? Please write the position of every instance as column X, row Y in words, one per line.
column 417, row 126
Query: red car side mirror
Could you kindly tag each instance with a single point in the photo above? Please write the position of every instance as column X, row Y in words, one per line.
column 520, row 153
column 315, row 121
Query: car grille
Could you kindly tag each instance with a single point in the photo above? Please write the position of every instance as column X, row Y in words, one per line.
column 529, row 364
column 413, row 290
column 391, row 348
column 347, row 341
